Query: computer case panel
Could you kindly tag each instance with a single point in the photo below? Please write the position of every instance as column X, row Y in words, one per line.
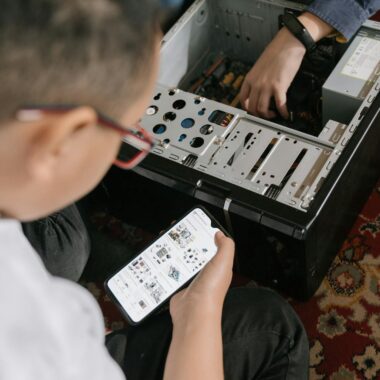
column 288, row 196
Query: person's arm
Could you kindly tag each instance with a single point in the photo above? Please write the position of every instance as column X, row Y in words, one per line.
column 196, row 350
column 345, row 17
column 276, row 68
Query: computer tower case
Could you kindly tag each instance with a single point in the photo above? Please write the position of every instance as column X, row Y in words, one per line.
column 288, row 191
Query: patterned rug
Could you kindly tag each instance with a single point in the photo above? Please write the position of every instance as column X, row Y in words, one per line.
column 342, row 319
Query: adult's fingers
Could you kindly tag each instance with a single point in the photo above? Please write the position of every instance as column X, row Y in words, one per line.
column 263, row 105
column 244, row 93
column 253, row 101
column 280, row 99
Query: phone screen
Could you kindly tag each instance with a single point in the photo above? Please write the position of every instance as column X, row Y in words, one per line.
column 165, row 266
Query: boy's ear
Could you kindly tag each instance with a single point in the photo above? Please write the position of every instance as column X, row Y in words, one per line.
column 54, row 132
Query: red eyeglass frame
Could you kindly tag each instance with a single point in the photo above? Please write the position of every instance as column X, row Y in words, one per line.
column 137, row 137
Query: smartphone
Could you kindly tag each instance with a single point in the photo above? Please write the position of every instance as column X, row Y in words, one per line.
column 166, row 266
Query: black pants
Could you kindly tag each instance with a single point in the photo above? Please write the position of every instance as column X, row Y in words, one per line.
column 62, row 242
column 262, row 338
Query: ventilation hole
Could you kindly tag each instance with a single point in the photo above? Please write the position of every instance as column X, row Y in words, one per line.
column 157, row 97
column 179, row 104
column 248, row 38
column 169, row 116
column 196, row 142
column 295, row 142
column 187, row 123
column 238, row 36
column 264, row 173
column 197, row 101
column 152, row 110
column 159, row 129
column 202, row 112
column 166, row 141
column 207, row 129
column 182, row 137
column 172, row 92
column 272, row 176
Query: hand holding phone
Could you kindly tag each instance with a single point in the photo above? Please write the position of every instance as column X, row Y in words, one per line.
column 169, row 263
column 205, row 295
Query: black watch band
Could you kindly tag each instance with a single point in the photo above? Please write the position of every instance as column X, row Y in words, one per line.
column 299, row 31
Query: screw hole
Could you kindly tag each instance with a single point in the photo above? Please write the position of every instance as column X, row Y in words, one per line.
column 170, row 116
column 187, row 123
column 179, row 104
column 207, row 129
column 196, row 142
column 152, row 110
column 159, row 129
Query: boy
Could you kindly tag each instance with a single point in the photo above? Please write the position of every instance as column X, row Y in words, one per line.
column 103, row 55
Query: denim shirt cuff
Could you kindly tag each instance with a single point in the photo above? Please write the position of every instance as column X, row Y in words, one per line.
column 345, row 19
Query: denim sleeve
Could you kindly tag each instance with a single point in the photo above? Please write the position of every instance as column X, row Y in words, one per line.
column 171, row 3
column 345, row 16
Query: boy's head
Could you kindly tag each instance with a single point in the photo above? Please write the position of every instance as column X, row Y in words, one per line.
column 98, row 54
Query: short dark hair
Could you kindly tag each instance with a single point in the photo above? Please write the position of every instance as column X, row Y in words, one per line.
column 91, row 52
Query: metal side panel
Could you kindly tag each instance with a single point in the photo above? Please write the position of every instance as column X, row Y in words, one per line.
column 257, row 155
column 263, row 157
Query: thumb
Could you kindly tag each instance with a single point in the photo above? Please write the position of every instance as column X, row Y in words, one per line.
column 244, row 94
column 280, row 99
column 216, row 276
column 223, row 260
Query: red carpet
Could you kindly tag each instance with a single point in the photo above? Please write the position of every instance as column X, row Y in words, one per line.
column 342, row 319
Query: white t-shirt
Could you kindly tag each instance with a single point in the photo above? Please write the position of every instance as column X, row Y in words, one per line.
column 50, row 328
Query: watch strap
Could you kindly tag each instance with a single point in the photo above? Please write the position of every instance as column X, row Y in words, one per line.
column 299, row 31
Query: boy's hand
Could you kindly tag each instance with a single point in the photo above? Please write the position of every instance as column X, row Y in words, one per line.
column 204, row 297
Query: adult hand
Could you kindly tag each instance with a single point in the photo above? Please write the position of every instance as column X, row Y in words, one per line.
column 275, row 70
column 205, row 295
column 272, row 75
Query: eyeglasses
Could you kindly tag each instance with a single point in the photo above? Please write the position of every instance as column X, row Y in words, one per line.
column 137, row 141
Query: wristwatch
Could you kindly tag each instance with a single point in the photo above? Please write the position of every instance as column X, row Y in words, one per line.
column 299, row 31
